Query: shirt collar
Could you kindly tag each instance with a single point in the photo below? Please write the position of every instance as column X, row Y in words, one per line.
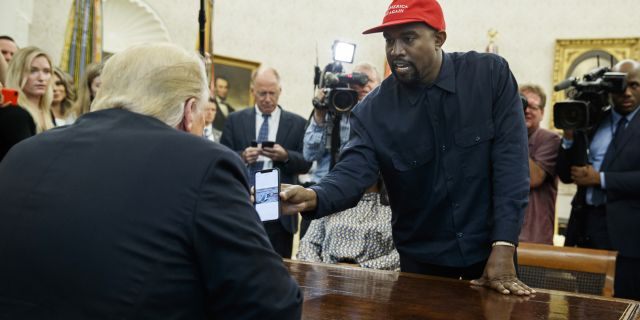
column 446, row 80
column 274, row 114
column 616, row 116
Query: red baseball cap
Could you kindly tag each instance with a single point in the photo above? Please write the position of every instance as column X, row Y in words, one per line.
column 408, row 11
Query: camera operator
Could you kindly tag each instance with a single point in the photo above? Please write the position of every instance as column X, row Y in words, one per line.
column 604, row 211
column 325, row 128
column 328, row 132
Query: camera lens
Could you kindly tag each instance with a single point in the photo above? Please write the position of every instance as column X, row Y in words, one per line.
column 343, row 101
column 571, row 115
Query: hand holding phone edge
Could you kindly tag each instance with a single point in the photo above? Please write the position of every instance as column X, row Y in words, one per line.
column 296, row 198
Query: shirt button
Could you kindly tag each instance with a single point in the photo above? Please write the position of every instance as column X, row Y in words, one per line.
column 444, row 148
column 414, row 163
column 459, row 234
column 477, row 139
column 455, row 205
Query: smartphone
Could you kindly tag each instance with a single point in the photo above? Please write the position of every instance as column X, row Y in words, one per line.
column 268, row 144
column 267, row 197
column 9, row 96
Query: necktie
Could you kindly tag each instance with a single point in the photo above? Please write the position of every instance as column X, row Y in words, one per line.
column 263, row 135
column 617, row 137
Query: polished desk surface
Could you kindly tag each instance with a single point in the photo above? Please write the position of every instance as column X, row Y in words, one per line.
column 345, row 292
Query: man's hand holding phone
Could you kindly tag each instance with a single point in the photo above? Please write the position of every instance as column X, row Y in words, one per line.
column 295, row 198
column 250, row 155
column 274, row 151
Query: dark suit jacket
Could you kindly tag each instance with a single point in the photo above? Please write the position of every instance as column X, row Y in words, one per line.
column 621, row 168
column 240, row 130
column 119, row 216
column 16, row 125
column 220, row 118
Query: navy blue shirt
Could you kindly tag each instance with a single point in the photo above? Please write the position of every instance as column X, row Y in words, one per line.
column 453, row 156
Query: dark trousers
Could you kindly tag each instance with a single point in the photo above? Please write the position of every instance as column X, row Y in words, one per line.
column 281, row 239
column 588, row 228
column 627, row 281
column 471, row 272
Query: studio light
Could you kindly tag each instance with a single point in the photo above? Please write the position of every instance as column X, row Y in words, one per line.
column 343, row 51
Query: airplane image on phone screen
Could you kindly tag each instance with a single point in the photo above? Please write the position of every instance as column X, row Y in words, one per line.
column 267, row 199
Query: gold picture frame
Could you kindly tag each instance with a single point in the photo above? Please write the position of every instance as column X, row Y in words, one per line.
column 238, row 73
column 576, row 57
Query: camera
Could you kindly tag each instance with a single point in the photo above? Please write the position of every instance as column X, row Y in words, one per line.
column 588, row 98
column 524, row 101
column 338, row 97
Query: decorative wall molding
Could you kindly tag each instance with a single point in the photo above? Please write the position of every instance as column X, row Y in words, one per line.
column 130, row 22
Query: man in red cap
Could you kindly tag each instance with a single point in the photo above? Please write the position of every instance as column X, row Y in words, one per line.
column 447, row 132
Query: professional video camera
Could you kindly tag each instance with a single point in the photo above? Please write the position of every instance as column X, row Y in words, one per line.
column 338, row 97
column 588, row 98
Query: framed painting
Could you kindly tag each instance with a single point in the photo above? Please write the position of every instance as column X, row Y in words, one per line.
column 576, row 57
column 238, row 74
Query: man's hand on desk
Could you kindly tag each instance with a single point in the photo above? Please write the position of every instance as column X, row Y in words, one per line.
column 296, row 199
column 496, row 306
column 500, row 273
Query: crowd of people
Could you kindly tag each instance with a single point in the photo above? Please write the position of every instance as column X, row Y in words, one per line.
column 441, row 169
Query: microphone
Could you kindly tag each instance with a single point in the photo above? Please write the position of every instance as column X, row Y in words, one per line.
column 564, row 84
column 331, row 79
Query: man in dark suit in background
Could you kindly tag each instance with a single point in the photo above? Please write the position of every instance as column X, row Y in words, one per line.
column 121, row 216
column 221, row 86
column 606, row 209
column 267, row 121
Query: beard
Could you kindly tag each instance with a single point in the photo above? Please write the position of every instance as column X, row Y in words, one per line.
column 408, row 73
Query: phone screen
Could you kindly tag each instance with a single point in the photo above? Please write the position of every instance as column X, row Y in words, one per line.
column 267, row 199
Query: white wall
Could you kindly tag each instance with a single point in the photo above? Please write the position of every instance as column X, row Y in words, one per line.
column 285, row 34
column 15, row 19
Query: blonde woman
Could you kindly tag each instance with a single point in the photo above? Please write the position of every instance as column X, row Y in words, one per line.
column 30, row 73
column 88, row 88
column 64, row 96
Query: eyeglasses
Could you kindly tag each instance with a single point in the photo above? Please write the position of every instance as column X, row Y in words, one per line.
column 534, row 107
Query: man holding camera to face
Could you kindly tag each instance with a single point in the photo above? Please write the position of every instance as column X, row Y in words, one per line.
column 328, row 131
column 605, row 211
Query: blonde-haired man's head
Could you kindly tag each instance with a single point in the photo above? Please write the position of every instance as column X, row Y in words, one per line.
column 160, row 80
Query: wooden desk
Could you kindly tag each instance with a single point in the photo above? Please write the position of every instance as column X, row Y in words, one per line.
column 345, row 292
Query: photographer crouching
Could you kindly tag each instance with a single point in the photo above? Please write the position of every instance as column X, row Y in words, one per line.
column 606, row 209
column 328, row 128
